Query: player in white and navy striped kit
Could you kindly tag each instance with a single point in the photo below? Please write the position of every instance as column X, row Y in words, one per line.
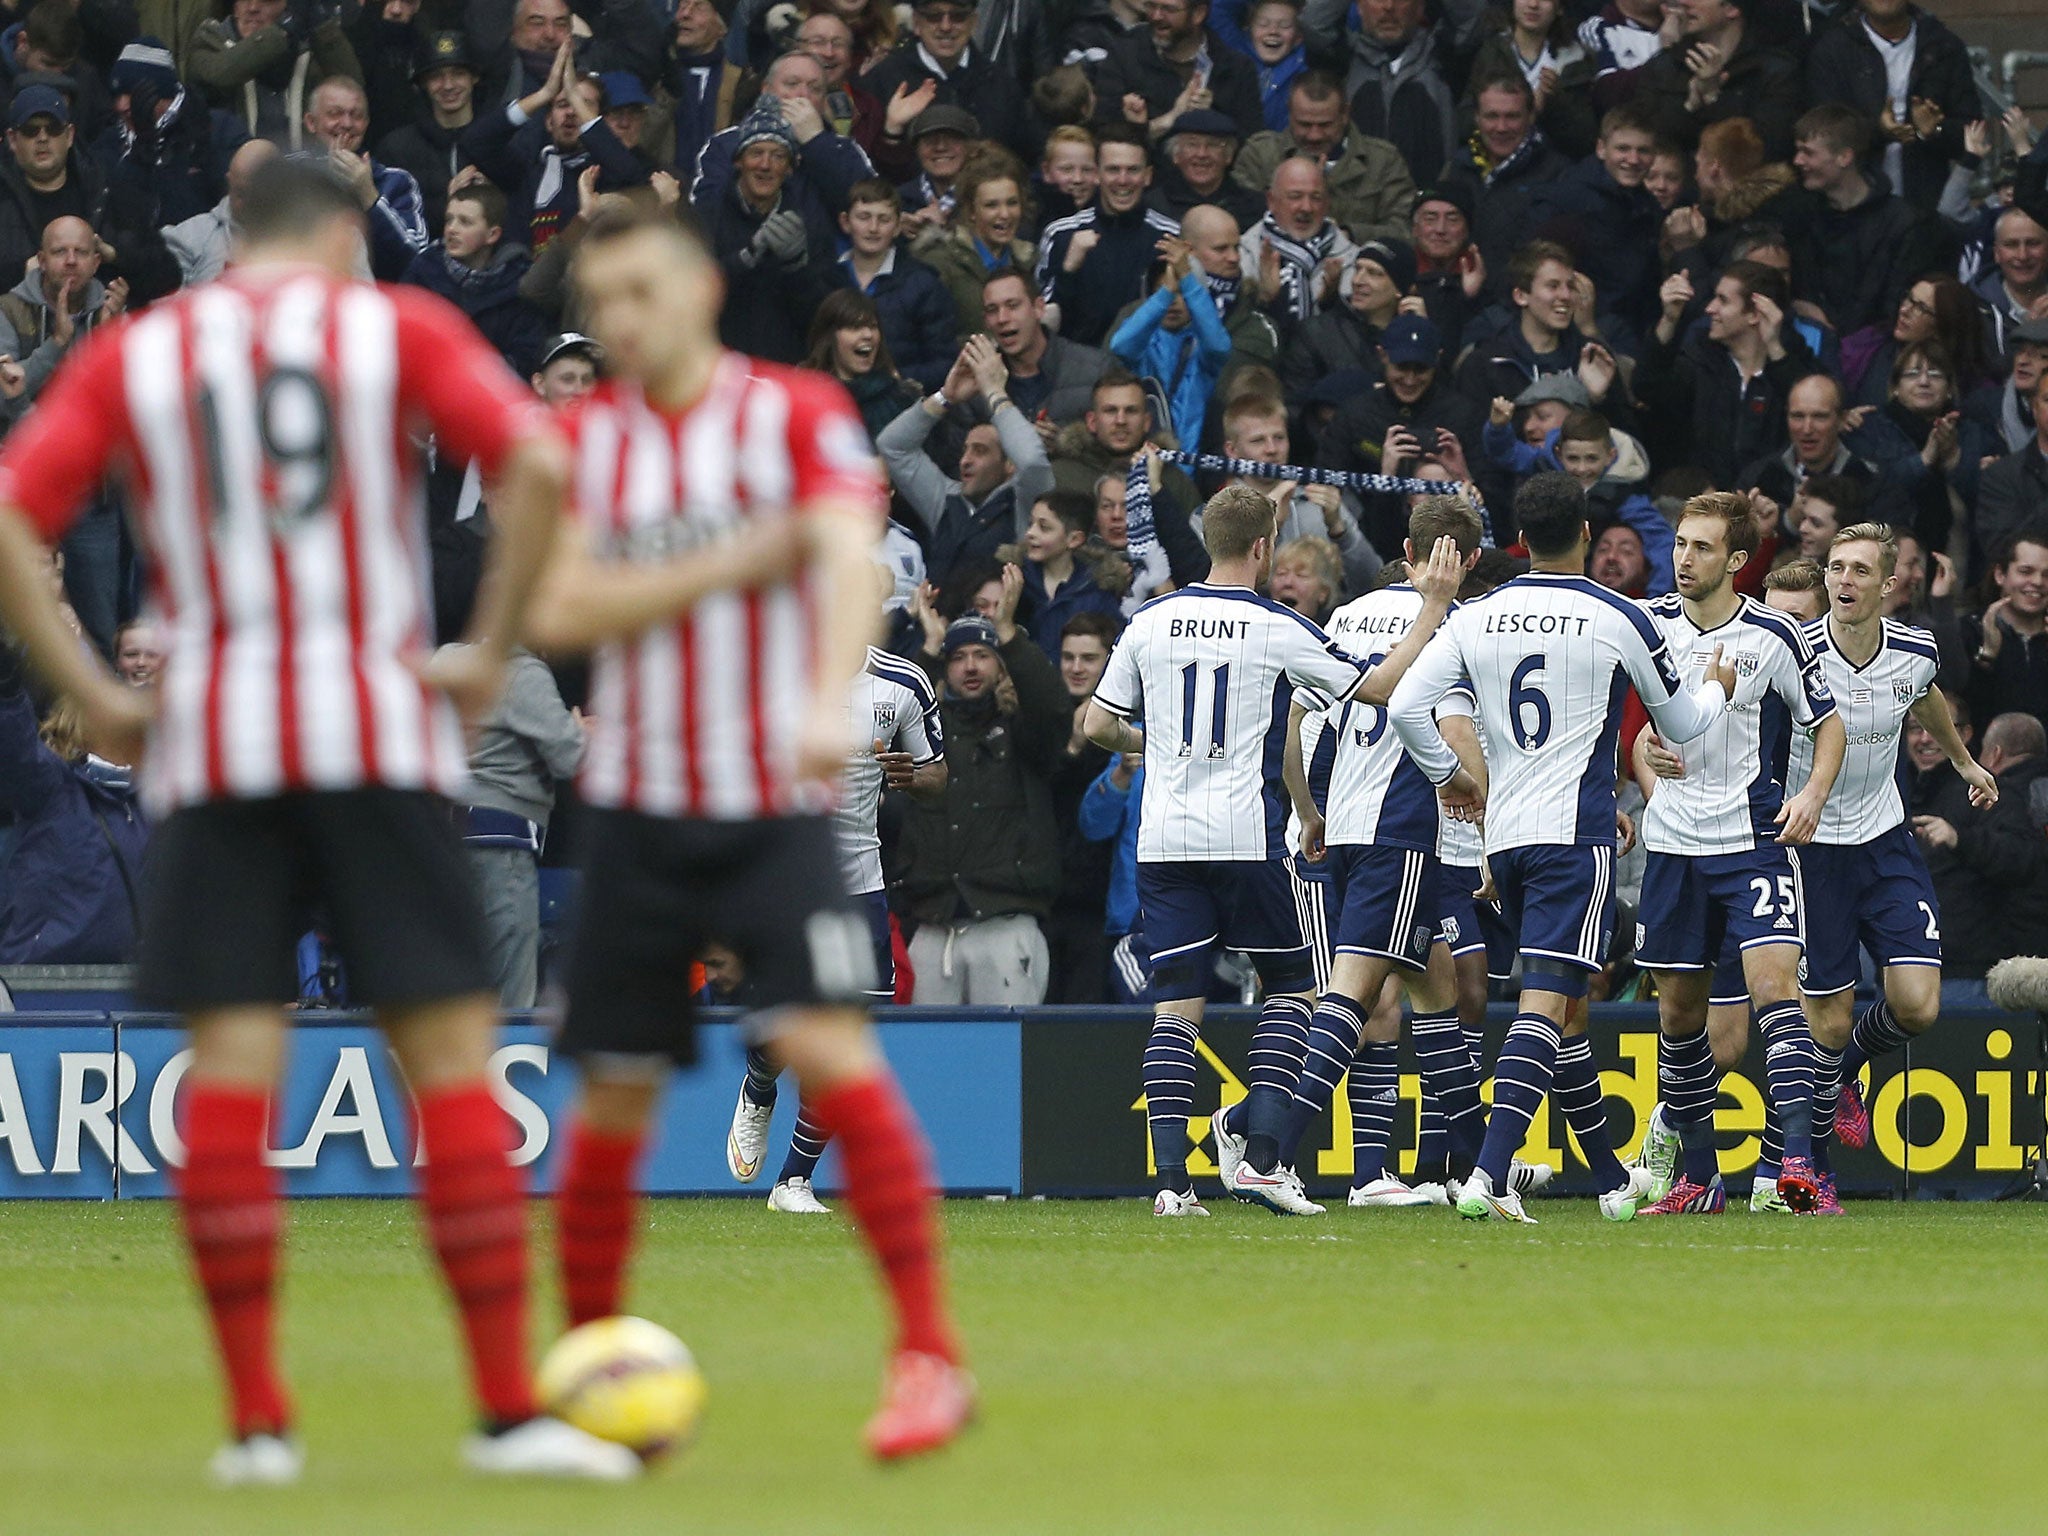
column 1210, row 669
column 1381, row 830
column 1550, row 656
column 894, row 739
column 1719, row 866
column 1863, row 853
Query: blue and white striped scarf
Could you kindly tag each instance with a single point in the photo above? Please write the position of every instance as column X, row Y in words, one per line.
column 1142, row 533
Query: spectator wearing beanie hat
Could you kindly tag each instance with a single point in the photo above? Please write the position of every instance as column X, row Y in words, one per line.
column 828, row 165
column 164, row 146
column 775, row 277
column 1346, row 336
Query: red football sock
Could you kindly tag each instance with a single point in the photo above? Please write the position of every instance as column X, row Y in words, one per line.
column 594, row 1219
column 889, row 1187
column 233, row 1222
column 476, row 1216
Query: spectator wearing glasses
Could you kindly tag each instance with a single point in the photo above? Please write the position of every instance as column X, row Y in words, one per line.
column 1938, row 309
column 938, row 65
column 1173, row 66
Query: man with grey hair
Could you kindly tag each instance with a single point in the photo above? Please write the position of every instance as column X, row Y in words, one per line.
column 827, row 164
column 1297, row 252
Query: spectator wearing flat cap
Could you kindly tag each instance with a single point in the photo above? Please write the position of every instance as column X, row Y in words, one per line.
column 1173, row 65
column 1450, row 277
column 627, row 110
column 1199, row 150
column 775, row 277
column 939, row 137
column 429, row 148
column 940, row 55
column 164, row 146
column 263, row 59
column 1369, row 187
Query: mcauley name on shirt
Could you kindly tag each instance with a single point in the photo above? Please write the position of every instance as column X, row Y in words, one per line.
column 1511, row 623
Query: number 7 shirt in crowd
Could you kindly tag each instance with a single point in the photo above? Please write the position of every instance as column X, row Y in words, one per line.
column 1549, row 657
column 701, row 716
column 267, row 428
column 1212, row 670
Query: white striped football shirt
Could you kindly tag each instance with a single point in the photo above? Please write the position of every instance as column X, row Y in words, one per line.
column 1873, row 701
column 1734, row 777
column 1212, row 670
column 891, row 701
column 266, row 427
column 1377, row 794
column 700, row 715
column 1550, row 657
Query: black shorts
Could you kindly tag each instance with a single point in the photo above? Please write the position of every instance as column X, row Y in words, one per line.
column 656, row 890
column 229, row 887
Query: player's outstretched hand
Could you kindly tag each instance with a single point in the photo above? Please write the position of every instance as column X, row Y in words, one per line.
column 1664, row 762
column 116, row 719
column 1462, row 796
column 471, row 676
column 1624, row 833
column 1487, row 891
column 1983, row 787
column 1442, row 574
column 1722, row 672
column 1800, row 817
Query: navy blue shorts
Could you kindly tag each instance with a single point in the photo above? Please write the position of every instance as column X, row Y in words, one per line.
column 1392, row 903
column 1247, row 904
column 1692, row 902
column 1471, row 926
column 1318, row 898
column 1886, row 904
column 1558, row 900
column 877, row 903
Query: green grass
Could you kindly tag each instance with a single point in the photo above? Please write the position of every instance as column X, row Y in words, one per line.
column 1389, row 1370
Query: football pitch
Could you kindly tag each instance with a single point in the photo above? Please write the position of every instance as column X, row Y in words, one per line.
column 1373, row 1370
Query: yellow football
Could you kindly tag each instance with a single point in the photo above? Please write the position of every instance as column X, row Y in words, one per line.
column 627, row 1380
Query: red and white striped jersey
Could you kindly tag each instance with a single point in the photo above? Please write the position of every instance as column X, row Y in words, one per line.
column 701, row 716
column 267, row 426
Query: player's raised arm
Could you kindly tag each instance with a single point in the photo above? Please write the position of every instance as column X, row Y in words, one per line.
column 1931, row 710
column 1437, row 580
column 1412, row 712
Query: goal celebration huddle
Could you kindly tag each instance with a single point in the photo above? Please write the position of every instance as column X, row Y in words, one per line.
column 1420, row 795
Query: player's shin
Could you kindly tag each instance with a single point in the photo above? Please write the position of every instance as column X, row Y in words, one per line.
column 228, row 1203
column 1450, row 1078
column 1788, row 1070
column 594, row 1209
column 1280, row 1046
column 1576, row 1088
column 1689, row 1084
column 1170, row 1097
column 1374, row 1092
column 1522, row 1076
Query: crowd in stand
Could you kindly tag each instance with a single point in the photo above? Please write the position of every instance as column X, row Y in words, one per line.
column 1780, row 246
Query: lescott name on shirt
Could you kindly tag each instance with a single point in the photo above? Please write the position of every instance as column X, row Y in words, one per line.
column 1535, row 624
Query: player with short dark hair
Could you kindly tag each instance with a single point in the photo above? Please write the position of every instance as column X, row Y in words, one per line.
column 299, row 750
column 723, row 577
column 1548, row 655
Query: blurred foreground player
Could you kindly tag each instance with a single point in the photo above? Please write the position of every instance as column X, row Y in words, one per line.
column 722, row 575
column 262, row 423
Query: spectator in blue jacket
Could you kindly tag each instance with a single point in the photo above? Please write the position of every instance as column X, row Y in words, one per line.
column 478, row 270
column 1063, row 576
column 1177, row 337
column 1109, row 811
column 338, row 115
column 919, row 318
column 67, row 893
column 1268, row 32
column 1585, row 448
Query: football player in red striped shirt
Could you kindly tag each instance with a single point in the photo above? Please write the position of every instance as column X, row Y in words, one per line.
column 728, row 512
column 298, row 744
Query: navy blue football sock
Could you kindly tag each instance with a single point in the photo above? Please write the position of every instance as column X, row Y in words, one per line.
column 1770, row 1157
column 1827, row 1087
column 1788, row 1071
column 1690, row 1083
column 1576, row 1088
column 1374, row 1089
column 1273, row 1068
column 761, row 1074
column 1876, row 1034
column 806, row 1146
column 1170, row 1093
column 1528, row 1060
column 1332, row 1041
column 1450, row 1077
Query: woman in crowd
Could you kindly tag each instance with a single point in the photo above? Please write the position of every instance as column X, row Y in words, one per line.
column 988, row 212
column 1939, row 309
column 846, row 342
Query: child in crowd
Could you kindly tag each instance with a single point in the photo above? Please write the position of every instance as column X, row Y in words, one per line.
column 1588, row 449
